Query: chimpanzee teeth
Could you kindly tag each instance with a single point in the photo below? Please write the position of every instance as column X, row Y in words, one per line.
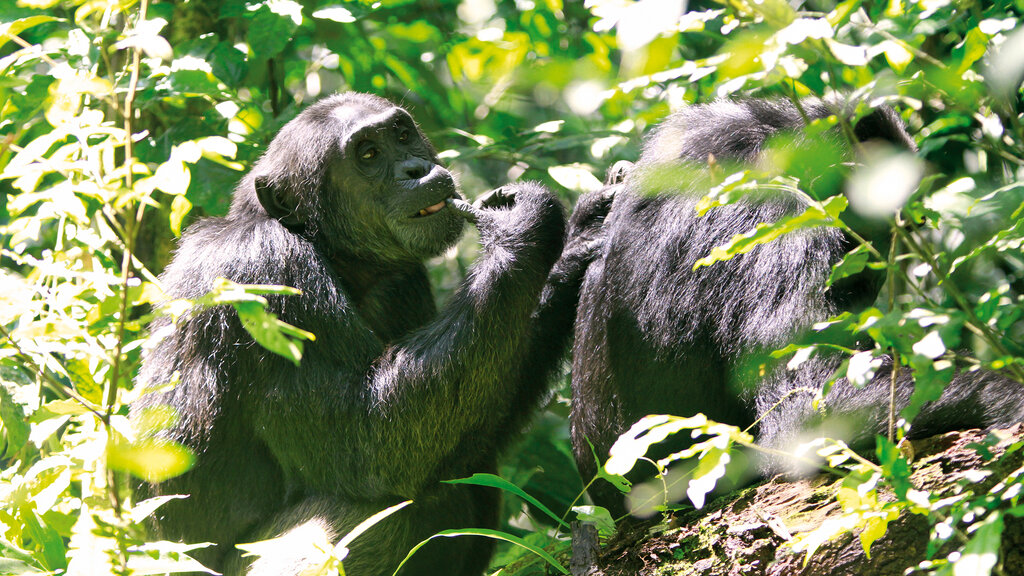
column 431, row 209
column 435, row 208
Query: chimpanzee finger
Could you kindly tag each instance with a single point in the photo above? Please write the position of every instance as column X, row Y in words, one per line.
column 465, row 209
column 618, row 172
column 498, row 198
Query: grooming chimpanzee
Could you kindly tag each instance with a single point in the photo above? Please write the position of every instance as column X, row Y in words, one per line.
column 393, row 396
column 655, row 336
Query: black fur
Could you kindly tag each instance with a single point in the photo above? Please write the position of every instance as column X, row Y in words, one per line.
column 393, row 396
column 654, row 336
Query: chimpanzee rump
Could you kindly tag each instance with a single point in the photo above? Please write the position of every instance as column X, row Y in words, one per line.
column 393, row 396
column 655, row 336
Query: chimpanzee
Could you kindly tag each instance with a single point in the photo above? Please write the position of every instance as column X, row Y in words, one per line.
column 656, row 336
column 392, row 397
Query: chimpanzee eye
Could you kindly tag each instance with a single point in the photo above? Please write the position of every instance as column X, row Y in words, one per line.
column 403, row 135
column 369, row 153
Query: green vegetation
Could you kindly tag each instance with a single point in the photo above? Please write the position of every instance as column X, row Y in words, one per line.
column 121, row 121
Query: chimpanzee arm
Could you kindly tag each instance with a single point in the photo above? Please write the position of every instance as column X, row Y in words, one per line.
column 391, row 419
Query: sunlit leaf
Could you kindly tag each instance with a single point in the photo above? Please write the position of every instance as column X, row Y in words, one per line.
column 173, row 177
column 1006, row 65
column 862, row 368
column 370, row 522
column 575, row 177
column 13, row 28
column 180, row 207
column 764, row 233
column 897, row 55
column 847, row 54
column 874, row 528
column 149, row 459
column 336, row 13
column 633, row 444
column 163, row 557
column 930, row 346
column 146, row 36
column 982, row 551
column 710, row 469
column 883, row 185
column 147, row 507
column 803, row 28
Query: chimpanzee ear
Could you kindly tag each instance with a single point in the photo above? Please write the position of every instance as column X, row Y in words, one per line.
column 278, row 203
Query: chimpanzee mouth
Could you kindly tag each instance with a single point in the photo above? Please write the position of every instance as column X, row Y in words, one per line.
column 430, row 209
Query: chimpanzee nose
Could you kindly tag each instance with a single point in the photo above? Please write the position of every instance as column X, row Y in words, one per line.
column 413, row 169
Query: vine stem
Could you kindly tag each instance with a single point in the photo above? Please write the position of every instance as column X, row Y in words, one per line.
column 973, row 322
column 891, row 277
column 130, row 231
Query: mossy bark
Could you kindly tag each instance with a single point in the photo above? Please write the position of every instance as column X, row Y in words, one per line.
column 747, row 533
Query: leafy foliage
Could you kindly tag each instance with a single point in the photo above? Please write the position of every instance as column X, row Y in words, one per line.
column 122, row 121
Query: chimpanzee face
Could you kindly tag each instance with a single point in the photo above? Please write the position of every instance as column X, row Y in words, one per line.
column 388, row 172
column 356, row 174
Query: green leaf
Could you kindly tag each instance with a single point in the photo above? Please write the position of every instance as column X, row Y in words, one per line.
column 825, row 215
column 11, row 29
column 853, row 263
column 15, row 425
column 971, row 50
column 196, row 82
column 279, row 337
column 47, row 540
column 488, row 533
column 228, row 64
column 1008, row 240
column 271, row 29
column 498, row 482
column 930, row 379
column 894, row 465
column 370, row 522
column 601, row 517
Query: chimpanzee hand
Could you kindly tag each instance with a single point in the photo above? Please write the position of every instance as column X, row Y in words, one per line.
column 618, row 172
column 517, row 218
column 586, row 231
column 497, row 199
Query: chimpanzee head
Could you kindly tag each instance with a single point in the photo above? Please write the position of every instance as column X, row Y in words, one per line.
column 355, row 174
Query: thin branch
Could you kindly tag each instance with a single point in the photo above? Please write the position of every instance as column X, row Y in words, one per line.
column 131, row 230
